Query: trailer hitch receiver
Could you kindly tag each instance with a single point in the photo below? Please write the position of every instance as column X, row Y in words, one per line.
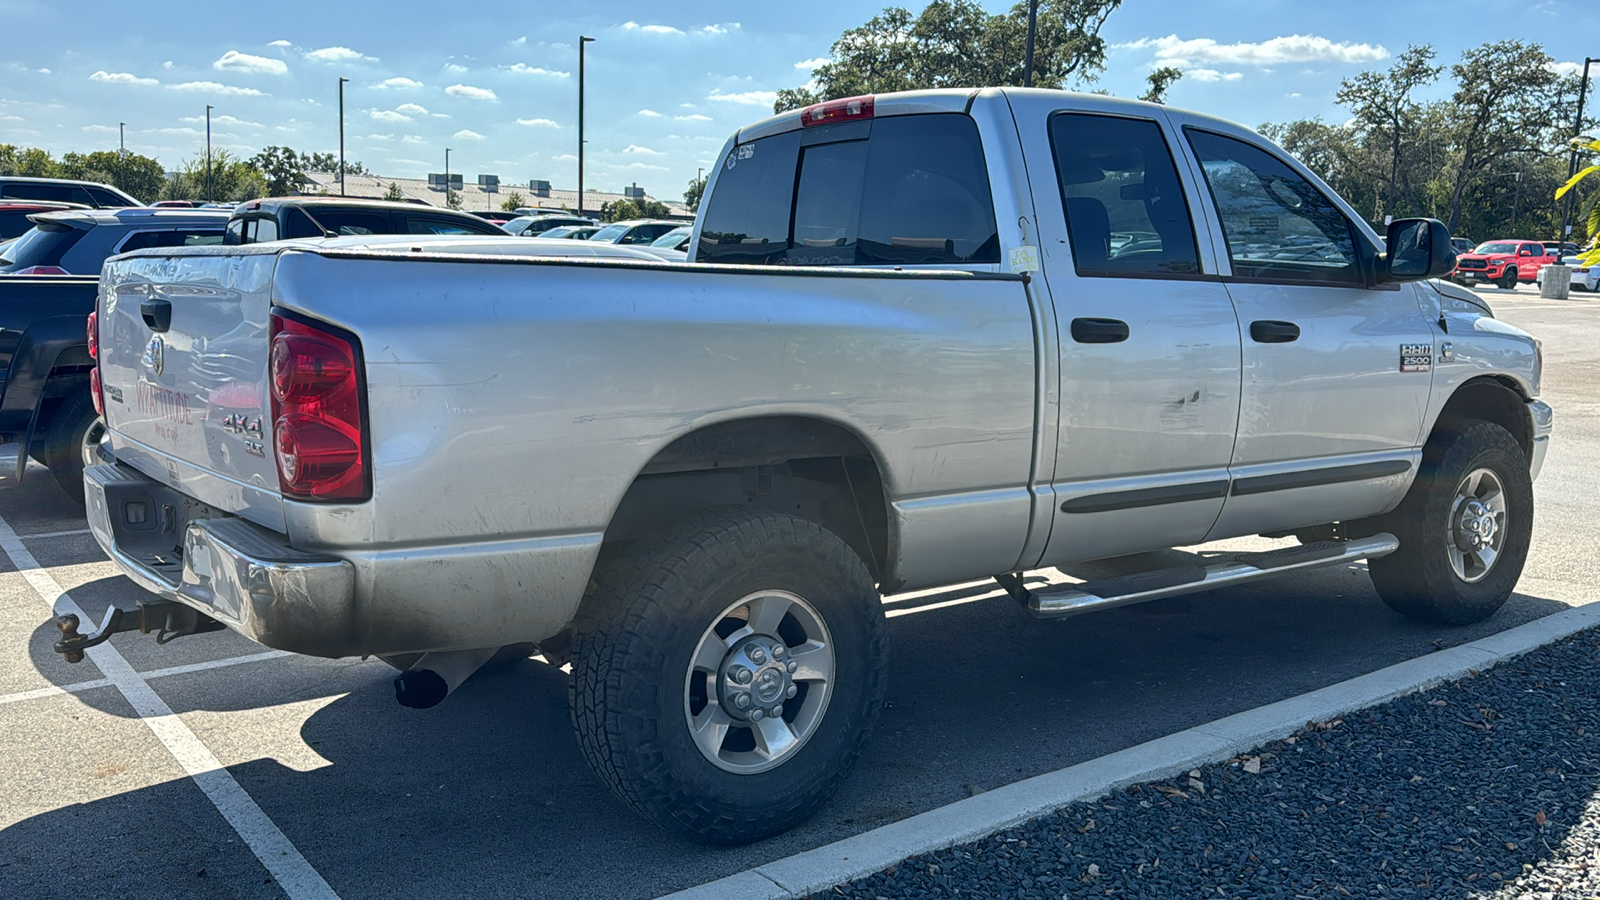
column 166, row 619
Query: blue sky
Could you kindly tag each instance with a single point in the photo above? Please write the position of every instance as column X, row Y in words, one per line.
column 666, row 82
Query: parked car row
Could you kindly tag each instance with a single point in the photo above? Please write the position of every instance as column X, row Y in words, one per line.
column 1506, row 263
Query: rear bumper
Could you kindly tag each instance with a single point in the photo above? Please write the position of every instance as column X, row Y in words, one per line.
column 1543, row 423
column 238, row 573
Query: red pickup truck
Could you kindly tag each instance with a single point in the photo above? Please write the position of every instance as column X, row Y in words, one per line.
column 1502, row 262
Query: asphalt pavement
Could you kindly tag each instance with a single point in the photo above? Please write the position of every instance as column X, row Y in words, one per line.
column 487, row 794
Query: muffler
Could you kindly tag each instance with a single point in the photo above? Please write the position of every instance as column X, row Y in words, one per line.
column 432, row 678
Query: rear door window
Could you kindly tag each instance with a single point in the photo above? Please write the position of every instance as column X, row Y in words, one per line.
column 899, row 190
column 182, row 237
column 104, row 198
column 1126, row 212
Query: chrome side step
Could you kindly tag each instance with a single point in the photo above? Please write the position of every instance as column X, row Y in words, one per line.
column 1070, row 600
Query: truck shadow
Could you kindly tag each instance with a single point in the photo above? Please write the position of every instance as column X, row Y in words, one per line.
column 488, row 795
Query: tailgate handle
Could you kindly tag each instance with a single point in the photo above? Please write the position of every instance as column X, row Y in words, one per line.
column 1099, row 331
column 156, row 313
column 1266, row 331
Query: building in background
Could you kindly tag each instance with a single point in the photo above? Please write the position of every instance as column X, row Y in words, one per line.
column 480, row 193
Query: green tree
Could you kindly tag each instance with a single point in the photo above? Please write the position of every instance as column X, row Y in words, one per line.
column 284, row 170
column 956, row 43
column 232, row 180
column 696, row 189
column 1160, row 80
column 452, row 199
column 137, row 175
column 513, row 200
column 394, row 192
column 1384, row 113
column 29, row 162
column 625, row 209
column 329, row 162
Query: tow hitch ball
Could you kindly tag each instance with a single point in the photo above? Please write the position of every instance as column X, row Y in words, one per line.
column 168, row 620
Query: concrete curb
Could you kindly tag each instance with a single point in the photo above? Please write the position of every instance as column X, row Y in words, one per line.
column 815, row 871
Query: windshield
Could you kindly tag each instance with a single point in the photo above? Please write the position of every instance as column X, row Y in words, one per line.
column 610, row 233
column 671, row 239
column 516, row 225
column 38, row 247
column 1496, row 247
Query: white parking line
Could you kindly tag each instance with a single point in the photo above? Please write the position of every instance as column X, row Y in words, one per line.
column 54, row 534
column 294, row 875
column 81, row 686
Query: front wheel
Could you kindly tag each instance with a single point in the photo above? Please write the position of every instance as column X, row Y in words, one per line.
column 725, row 678
column 1464, row 528
column 1509, row 279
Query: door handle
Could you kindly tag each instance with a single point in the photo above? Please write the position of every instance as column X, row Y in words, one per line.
column 1270, row 332
column 1099, row 331
column 156, row 313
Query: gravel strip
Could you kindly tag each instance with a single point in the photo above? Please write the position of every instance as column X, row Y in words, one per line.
column 1476, row 789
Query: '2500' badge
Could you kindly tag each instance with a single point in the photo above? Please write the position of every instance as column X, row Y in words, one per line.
column 1416, row 357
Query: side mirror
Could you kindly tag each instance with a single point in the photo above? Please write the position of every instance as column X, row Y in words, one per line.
column 1417, row 249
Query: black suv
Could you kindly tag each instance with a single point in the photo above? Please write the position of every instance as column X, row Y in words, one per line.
column 64, row 190
column 283, row 218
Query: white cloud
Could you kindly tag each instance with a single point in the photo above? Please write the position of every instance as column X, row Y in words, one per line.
column 650, row 29
column 411, row 109
column 1212, row 75
column 565, row 157
column 637, row 166
column 1294, row 96
column 380, row 137
column 748, row 98
column 387, row 115
column 398, row 83
column 413, row 139
column 234, row 61
column 42, row 71
column 525, row 69
column 1297, row 48
column 467, row 134
column 230, row 121
column 192, row 132
column 649, row 114
column 520, row 41
column 646, row 151
column 695, row 117
column 167, row 64
column 93, row 129
column 120, row 78
column 280, row 43
column 809, row 64
column 211, row 87
column 1572, row 68
column 718, row 29
column 539, row 123
column 339, row 54
column 469, row 92
column 455, row 68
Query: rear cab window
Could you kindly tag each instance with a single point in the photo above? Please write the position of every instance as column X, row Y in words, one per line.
column 897, row 190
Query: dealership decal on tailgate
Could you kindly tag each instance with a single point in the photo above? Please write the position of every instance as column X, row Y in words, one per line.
column 1416, row 358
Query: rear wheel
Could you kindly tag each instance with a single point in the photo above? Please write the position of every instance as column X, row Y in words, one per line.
column 1464, row 528
column 71, row 431
column 726, row 677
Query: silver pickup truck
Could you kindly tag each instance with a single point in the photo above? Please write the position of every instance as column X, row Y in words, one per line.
column 927, row 338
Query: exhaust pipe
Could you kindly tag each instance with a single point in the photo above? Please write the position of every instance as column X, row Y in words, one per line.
column 433, row 677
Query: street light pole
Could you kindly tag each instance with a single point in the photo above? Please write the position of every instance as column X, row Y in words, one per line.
column 1033, row 22
column 122, row 154
column 342, row 80
column 581, row 41
column 208, row 153
column 447, row 176
column 1572, row 161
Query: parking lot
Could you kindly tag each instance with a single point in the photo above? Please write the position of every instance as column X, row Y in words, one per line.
column 210, row 768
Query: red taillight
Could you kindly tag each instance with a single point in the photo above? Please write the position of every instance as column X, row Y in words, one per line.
column 317, row 433
column 837, row 111
column 42, row 270
column 96, row 393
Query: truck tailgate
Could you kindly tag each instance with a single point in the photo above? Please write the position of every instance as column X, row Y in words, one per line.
column 183, row 359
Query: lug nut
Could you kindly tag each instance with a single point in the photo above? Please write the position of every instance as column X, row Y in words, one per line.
column 777, row 712
column 789, row 694
column 740, row 675
column 741, row 700
column 757, row 714
column 777, row 651
column 757, row 655
column 792, row 666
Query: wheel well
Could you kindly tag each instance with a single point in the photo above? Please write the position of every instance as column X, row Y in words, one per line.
column 790, row 464
column 1490, row 399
